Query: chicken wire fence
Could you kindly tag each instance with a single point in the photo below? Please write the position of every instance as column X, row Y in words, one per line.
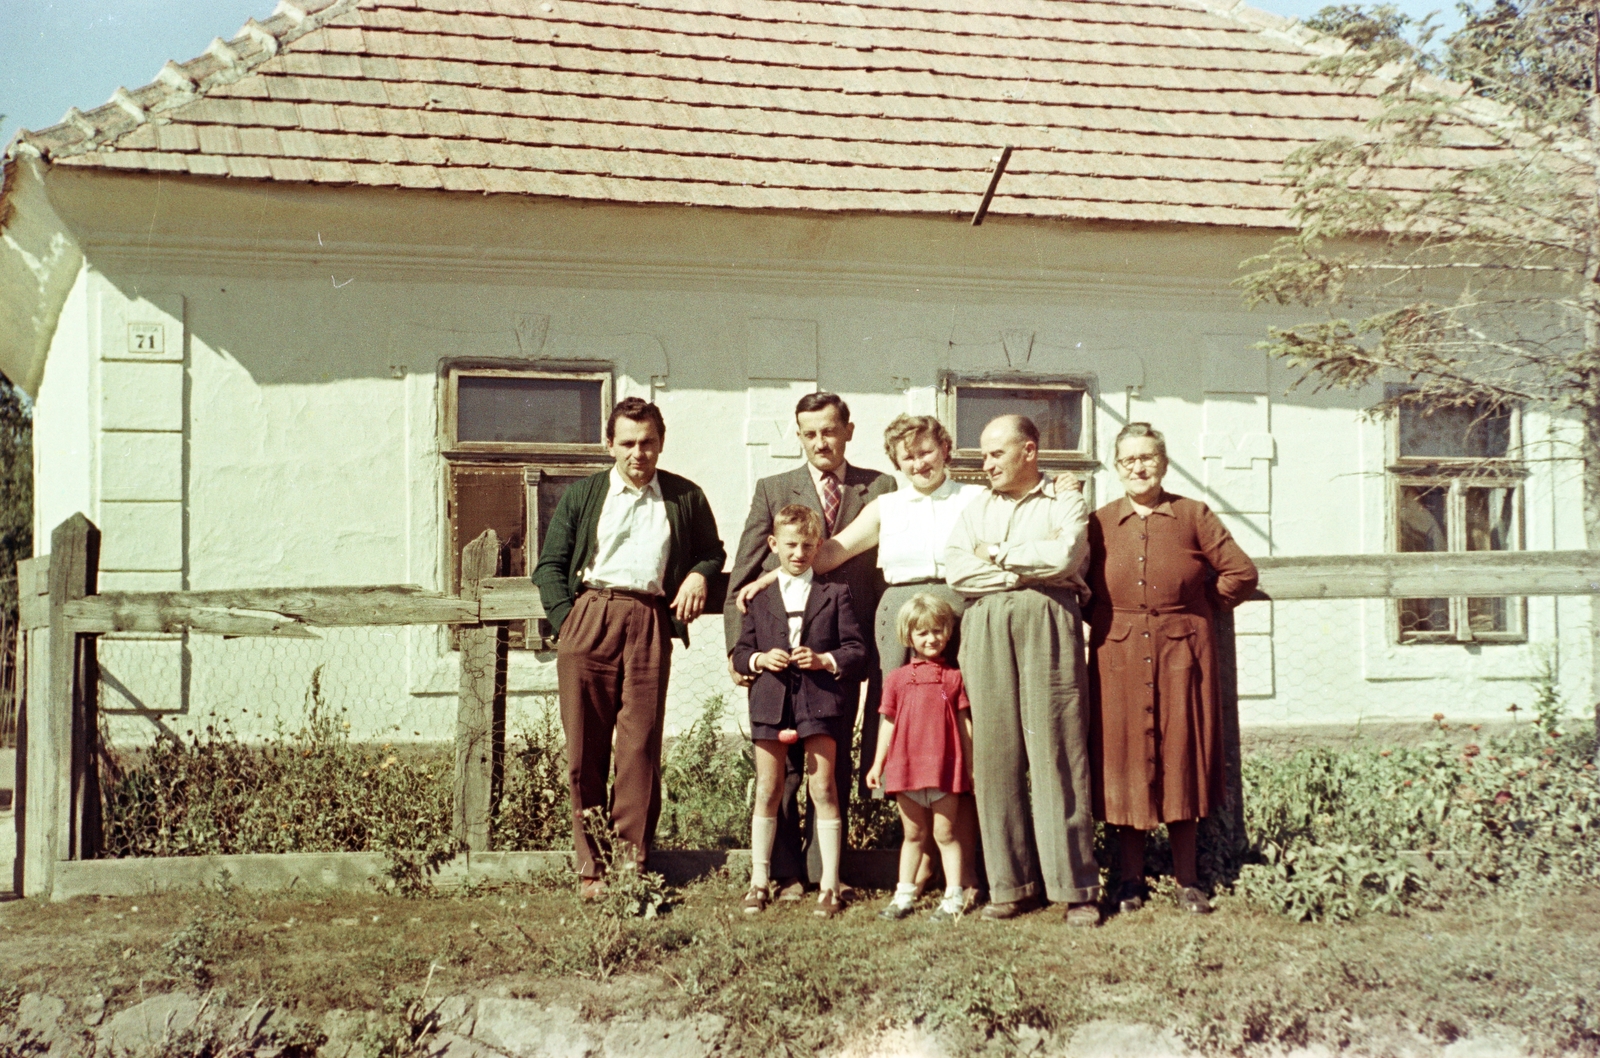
column 1306, row 669
column 389, row 684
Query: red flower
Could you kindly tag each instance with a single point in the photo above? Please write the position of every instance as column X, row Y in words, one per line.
column 1470, row 750
column 1438, row 716
column 1503, row 797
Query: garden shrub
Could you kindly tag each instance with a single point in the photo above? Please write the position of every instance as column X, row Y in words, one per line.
column 1337, row 833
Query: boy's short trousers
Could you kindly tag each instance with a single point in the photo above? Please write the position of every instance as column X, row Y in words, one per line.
column 925, row 796
column 832, row 726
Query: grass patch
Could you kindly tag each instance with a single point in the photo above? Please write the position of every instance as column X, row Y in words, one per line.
column 788, row 984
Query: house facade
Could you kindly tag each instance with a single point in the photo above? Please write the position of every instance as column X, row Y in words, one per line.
column 319, row 306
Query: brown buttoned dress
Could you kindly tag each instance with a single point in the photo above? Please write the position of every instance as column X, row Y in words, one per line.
column 1155, row 726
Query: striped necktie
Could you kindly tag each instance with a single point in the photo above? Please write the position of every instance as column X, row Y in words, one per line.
column 831, row 499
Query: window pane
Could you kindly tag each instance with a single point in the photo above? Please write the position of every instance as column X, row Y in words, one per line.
column 1489, row 615
column 1460, row 433
column 1424, row 525
column 1490, row 514
column 1057, row 412
column 1424, row 617
column 491, row 498
column 528, row 410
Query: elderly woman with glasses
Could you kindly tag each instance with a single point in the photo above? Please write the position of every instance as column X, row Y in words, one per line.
column 1155, row 729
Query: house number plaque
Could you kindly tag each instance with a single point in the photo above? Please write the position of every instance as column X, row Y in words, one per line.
column 146, row 338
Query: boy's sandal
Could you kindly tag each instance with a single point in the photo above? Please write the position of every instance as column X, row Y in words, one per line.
column 755, row 901
column 895, row 912
column 829, row 904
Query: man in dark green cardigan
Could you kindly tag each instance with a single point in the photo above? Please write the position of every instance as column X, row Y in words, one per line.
column 620, row 544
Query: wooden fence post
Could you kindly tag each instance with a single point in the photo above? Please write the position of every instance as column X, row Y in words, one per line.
column 480, row 716
column 72, row 715
column 1231, row 823
column 35, row 806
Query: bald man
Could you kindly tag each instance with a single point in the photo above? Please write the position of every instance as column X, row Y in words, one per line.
column 1018, row 555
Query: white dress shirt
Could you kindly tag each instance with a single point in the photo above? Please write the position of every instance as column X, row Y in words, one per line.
column 913, row 529
column 795, row 593
column 634, row 538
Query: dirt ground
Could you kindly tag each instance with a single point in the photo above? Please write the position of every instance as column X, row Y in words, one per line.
column 1514, row 977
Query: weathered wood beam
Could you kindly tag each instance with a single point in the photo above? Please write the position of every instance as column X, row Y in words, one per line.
column 71, row 717
column 508, row 599
column 1478, row 574
column 481, row 706
column 267, row 611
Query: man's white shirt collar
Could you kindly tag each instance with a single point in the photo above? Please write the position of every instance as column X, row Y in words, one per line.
column 621, row 485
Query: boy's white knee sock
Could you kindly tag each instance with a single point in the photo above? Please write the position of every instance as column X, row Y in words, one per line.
column 829, row 838
column 905, row 894
column 763, row 830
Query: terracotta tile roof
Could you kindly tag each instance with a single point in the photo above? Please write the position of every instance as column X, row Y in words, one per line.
column 1139, row 110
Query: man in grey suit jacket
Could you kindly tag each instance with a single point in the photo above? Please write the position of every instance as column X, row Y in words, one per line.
column 839, row 491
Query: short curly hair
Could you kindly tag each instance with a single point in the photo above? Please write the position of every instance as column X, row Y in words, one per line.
column 806, row 519
column 908, row 428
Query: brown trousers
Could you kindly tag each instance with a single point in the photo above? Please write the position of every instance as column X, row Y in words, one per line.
column 611, row 665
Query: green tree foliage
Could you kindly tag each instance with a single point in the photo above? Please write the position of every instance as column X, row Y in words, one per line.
column 1452, row 249
column 16, row 490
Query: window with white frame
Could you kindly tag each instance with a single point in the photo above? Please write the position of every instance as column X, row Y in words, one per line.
column 1457, row 486
column 514, row 439
column 1061, row 408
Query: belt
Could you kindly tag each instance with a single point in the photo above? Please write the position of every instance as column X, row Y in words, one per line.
column 625, row 593
column 1157, row 611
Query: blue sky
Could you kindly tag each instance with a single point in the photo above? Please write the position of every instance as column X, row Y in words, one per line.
column 55, row 54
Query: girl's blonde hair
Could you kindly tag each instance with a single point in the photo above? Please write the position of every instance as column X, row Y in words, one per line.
column 924, row 611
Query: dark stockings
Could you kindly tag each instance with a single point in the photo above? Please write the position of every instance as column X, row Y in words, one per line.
column 1130, row 844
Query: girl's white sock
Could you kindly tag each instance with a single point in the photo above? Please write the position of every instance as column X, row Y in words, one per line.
column 905, row 894
column 763, row 829
column 955, row 899
column 829, row 838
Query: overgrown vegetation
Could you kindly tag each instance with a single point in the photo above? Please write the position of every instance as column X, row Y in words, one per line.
column 307, row 790
column 1339, row 833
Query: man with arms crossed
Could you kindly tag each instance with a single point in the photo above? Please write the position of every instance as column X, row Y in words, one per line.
column 621, row 543
column 1018, row 553
column 838, row 491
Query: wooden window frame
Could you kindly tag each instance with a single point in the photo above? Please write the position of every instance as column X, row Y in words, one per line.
column 449, row 423
column 966, row 464
column 1457, row 484
column 538, row 461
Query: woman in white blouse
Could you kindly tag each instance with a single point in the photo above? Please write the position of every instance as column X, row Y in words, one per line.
column 909, row 527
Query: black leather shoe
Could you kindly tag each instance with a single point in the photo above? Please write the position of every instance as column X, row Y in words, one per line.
column 1131, row 896
column 1193, row 901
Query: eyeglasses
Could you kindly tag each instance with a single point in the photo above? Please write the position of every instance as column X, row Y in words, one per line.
column 1139, row 461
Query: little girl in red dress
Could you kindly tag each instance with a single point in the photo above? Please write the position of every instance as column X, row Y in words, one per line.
column 925, row 759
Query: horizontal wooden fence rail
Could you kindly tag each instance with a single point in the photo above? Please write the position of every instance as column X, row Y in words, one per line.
column 1431, row 575
column 294, row 612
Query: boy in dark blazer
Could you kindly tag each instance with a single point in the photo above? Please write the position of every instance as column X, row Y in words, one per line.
column 801, row 641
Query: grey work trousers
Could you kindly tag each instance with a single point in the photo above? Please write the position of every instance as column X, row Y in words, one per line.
column 1022, row 664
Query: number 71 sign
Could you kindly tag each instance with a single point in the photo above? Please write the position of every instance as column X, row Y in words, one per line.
column 146, row 338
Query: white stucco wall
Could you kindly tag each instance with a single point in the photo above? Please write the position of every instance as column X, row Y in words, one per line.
column 288, row 433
